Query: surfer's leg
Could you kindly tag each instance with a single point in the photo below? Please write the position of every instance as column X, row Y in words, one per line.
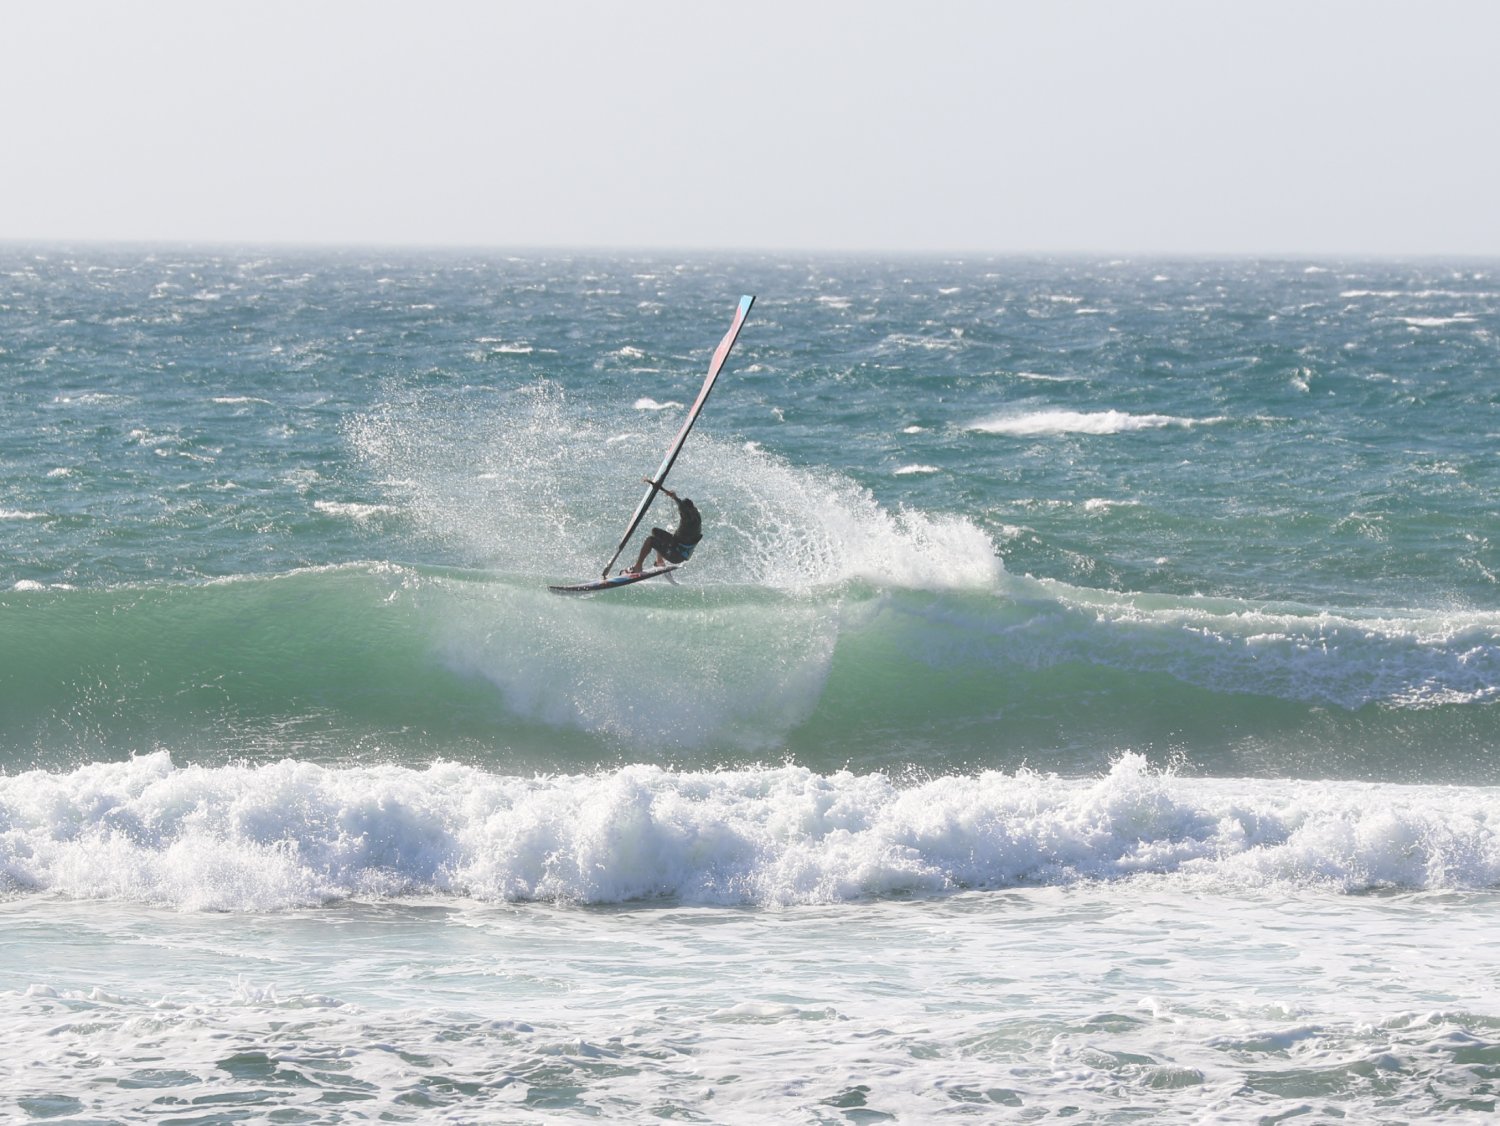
column 659, row 542
column 649, row 545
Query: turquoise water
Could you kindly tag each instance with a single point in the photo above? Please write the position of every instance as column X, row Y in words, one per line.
column 1064, row 607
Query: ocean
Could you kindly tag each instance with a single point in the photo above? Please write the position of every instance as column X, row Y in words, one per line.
column 1083, row 704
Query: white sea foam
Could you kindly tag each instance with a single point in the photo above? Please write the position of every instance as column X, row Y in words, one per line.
column 1181, row 1005
column 1438, row 322
column 292, row 834
column 914, row 470
column 1080, row 422
column 648, row 404
column 903, row 340
column 812, row 530
column 1038, row 377
column 353, row 510
column 1420, row 294
column 87, row 399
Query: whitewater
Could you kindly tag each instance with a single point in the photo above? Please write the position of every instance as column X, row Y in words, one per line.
column 1083, row 703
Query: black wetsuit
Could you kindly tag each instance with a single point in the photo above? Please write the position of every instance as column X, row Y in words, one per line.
column 676, row 547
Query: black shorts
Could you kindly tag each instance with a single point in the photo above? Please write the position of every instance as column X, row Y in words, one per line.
column 672, row 549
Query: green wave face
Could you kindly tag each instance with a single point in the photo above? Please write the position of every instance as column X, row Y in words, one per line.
column 385, row 662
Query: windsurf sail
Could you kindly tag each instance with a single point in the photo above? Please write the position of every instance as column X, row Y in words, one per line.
column 660, row 476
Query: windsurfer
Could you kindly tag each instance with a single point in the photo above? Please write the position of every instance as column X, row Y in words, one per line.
column 672, row 547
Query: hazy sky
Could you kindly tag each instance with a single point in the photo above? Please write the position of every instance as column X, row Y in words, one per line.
column 1263, row 126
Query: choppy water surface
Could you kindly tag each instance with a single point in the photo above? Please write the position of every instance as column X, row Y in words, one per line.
column 1083, row 703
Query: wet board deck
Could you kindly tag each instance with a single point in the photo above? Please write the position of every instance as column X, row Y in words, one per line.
column 622, row 579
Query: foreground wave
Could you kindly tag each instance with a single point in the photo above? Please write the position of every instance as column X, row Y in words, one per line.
column 399, row 663
column 294, row 834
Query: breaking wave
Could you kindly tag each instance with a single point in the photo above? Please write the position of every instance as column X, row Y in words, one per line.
column 296, row 834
